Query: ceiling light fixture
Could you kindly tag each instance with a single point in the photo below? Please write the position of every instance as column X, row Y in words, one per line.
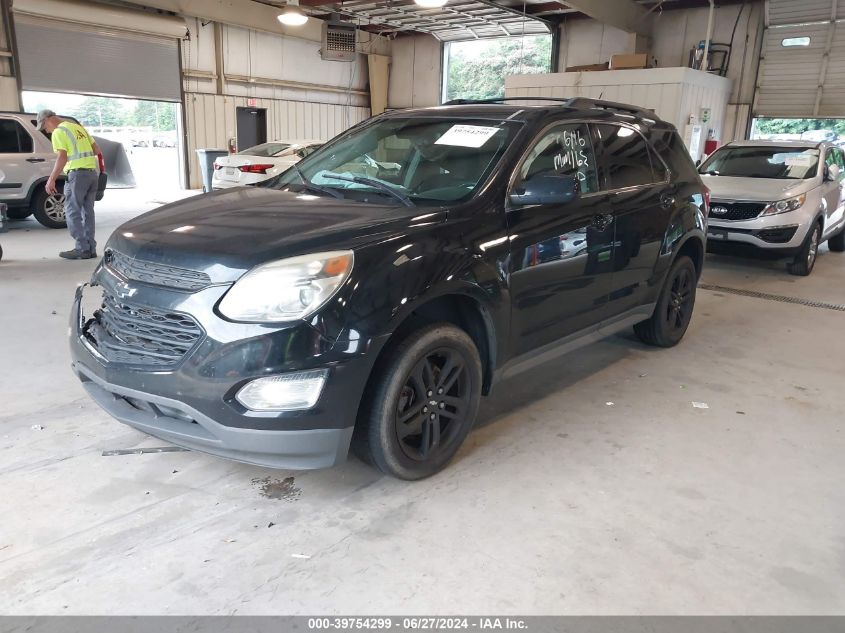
column 431, row 4
column 292, row 15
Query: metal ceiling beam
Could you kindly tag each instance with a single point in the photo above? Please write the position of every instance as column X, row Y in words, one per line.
column 623, row 14
column 549, row 24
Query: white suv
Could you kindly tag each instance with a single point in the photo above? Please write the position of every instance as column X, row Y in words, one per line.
column 26, row 160
column 781, row 197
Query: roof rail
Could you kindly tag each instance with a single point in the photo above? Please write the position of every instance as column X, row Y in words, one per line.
column 569, row 102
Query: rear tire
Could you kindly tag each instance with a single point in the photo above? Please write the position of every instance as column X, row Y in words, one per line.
column 18, row 213
column 421, row 403
column 48, row 209
column 673, row 312
column 837, row 242
column 805, row 260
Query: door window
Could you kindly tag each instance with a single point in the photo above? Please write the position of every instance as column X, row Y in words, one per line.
column 13, row 138
column 625, row 157
column 565, row 150
column 834, row 157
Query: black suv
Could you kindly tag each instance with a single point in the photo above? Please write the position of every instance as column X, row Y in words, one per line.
column 372, row 293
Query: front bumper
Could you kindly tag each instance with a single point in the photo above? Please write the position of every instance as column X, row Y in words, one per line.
column 193, row 404
column 779, row 235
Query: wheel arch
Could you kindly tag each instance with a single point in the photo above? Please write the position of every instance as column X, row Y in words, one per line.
column 461, row 310
column 692, row 247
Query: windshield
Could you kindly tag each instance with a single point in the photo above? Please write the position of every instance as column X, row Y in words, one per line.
column 414, row 161
column 265, row 149
column 763, row 162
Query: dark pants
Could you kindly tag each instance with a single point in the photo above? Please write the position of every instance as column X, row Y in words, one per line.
column 80, row 193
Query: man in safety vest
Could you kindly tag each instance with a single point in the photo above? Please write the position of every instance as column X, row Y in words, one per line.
column 78, row 159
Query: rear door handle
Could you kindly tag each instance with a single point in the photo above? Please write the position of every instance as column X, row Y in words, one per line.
column 602, row 221
column 35, row 160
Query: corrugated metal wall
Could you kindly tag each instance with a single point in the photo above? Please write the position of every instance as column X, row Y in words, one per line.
column 305, row 97
column 211, row 118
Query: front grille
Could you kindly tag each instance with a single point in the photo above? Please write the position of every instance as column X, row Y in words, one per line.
column 136, row 335
column 156, row 274
column 736, row 211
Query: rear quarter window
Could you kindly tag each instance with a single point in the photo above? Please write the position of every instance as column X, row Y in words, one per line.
column 669, row 145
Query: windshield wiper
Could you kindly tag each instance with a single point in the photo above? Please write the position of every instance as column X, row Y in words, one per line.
column 372, row 182
column 334, row 193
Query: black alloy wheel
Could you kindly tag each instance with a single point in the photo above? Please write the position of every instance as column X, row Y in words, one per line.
column 421, row 402
column 432, row 403
column 673, row 313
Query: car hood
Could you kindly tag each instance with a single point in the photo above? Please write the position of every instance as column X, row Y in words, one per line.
column 226, row 233
column 758, row 189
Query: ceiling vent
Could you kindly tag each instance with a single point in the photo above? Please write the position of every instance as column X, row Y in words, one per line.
column 338, row 40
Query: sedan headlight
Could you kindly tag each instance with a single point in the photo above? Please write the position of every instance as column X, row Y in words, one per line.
column 785, row 206
column 287, row 289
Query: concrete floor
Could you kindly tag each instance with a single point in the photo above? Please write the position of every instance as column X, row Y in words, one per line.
column 559, row 503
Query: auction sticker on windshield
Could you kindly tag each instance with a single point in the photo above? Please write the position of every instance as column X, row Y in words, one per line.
column 799, row 160
column 467, row 135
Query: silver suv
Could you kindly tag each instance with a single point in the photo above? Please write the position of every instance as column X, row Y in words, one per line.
column 780, row 197
column 26, row 160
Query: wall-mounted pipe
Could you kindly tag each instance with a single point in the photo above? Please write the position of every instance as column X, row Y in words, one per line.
column 706, row 61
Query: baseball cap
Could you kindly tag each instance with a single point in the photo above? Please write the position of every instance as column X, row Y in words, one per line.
column 41, row 117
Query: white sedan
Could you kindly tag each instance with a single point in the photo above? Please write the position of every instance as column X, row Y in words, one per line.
column 259, row 163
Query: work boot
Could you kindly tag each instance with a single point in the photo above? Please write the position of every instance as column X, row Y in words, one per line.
column 74, row 254
column 89, row 255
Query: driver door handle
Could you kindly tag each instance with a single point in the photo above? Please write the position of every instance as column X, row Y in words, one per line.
column 35, row 160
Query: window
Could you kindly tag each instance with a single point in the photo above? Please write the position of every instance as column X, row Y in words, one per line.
column 476, row 69
column 305, row 151
column 564, row 150
column 626, row 157
column 13, row 138
column 834, row 157
column 417, row 160
column 795, row 41
column 265, row 149
column 763, row 162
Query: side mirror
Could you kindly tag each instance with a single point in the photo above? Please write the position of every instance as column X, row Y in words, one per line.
column 831, row 173
column 546, row 188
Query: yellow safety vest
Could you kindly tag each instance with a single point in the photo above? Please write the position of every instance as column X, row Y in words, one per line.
column 75, row 140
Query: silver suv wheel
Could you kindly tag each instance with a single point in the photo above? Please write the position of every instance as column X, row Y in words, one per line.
column 54, row 207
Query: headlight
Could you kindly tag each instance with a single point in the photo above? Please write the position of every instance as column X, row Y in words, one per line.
column 288, row 289
column 785, row 206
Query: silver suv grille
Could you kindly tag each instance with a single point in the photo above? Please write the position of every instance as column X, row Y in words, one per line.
column 736, row 211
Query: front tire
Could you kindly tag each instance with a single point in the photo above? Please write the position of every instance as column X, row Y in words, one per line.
column 673, row 312
column 805, row 260
column 48, row 209
column 421, row 403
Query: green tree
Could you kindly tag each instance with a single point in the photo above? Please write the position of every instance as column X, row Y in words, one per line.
column 477, row 69
column 100, row 111
column 160, row 116
column 799, row 126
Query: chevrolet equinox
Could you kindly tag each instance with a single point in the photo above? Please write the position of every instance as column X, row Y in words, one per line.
column 369, row 295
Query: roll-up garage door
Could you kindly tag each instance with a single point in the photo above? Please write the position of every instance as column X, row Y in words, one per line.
column 802, row 67
column 95, row 57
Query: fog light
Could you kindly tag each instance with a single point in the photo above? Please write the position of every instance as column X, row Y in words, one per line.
column 285, row 392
